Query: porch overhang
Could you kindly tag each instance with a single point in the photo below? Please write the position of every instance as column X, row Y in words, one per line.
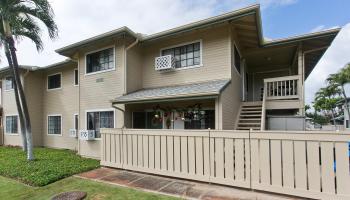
column 203, row 90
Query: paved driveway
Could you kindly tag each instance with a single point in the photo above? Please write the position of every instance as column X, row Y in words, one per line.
column 175, row 187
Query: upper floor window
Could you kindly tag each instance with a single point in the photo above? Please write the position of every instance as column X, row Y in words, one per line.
column 54, row 81
column 9, row 83
column 100, row 61
column 186, row 55
column 237, row 60
column 76, row 77
column 12, row 124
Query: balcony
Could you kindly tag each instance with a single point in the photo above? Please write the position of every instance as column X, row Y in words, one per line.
column 287, row 87
column 283, row 93
column 164, row 63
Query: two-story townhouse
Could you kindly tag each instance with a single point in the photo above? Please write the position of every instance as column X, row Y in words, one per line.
column 217, row 73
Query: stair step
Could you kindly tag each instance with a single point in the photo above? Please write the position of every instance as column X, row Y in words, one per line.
column 251, row 111
column 249, row 115
column 252, row 108
column 250, row 119
column 254, row 103
column 248, row 124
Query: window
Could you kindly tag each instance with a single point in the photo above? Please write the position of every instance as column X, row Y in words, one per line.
column 76, row 121
column 147, row 120
column 9, row 83
column 237, row 60
column 76, row 77
column 54, row 125
column 54, row 81
column 11, row 124
column 347, row 124
column 100, row 61
column 97, row 120
column 203, row 119
column 185, row 56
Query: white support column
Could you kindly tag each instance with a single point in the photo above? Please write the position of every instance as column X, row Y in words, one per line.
column 301, row 74
column 218, row 114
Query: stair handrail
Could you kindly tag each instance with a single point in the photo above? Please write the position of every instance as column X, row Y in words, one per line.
column 263, row 110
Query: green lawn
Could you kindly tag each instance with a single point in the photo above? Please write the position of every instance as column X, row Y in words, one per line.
column 11, row 189
column 50, row 165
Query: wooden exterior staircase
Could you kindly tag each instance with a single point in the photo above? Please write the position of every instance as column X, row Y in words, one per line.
column 250, row 116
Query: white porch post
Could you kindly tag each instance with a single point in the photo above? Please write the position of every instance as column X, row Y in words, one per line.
column 301, row 74
column 218, row 114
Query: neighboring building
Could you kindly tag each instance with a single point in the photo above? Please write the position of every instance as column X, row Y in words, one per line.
column 346, row 116
column 207, row 74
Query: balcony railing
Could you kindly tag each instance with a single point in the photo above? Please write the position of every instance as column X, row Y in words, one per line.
column 287, row 87
column 164, row 63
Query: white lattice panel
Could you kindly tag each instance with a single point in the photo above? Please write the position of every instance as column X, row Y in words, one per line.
column 164, row 63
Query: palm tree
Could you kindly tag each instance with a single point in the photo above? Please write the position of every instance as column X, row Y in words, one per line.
column 326, row 99
column 20, row 29
column 340, row 79
column 14, row 14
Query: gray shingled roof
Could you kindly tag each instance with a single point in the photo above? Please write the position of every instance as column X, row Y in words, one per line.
column 210, row 88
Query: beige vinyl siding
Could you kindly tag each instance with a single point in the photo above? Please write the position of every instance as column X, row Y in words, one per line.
column 230, row 102
column 34, row 90
column 215, row 58
column 10, row 108
column 134, row 69
column 96, row 93
column 62, row 102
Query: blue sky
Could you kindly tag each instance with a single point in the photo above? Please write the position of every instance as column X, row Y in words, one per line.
column 303, row 16
column 78, row 20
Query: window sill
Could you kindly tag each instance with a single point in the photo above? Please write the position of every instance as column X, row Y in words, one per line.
column 99, row 72
column 53, row 89
column 55, row 135
column 184, row 68
column 11, row 134
column 9, row 90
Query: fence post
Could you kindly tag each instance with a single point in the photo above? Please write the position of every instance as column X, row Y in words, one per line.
column 122, row 147
column 210, row 169
column 250, row 159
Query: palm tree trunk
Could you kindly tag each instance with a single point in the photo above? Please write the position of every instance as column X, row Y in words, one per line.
column 30, row 154
column 18, row 103
column 333, row 117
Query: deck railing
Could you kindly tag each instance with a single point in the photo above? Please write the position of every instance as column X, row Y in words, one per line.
column 287, row 87
column 310, row 164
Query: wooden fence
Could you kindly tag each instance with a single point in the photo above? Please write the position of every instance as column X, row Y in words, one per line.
column 306, row 164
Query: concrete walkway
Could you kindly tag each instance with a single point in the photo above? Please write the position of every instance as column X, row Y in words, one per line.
column 175, row 187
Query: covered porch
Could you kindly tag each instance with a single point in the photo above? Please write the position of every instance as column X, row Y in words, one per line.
column 189, row 106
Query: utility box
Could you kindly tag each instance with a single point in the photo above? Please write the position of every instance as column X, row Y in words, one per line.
column 286, row 123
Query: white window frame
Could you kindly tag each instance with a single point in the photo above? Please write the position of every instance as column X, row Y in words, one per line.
column 18, row 127
column 47, row 124
column 100, row 110
column 95, row 51
column 7, row 90
column 76, row 114
column 47, row 81
column 75, row 70
column 183, row 44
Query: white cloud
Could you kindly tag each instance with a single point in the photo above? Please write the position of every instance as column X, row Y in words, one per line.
column 333, row 60
column 79, row 20
column 318, row 28
column 322, row 28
